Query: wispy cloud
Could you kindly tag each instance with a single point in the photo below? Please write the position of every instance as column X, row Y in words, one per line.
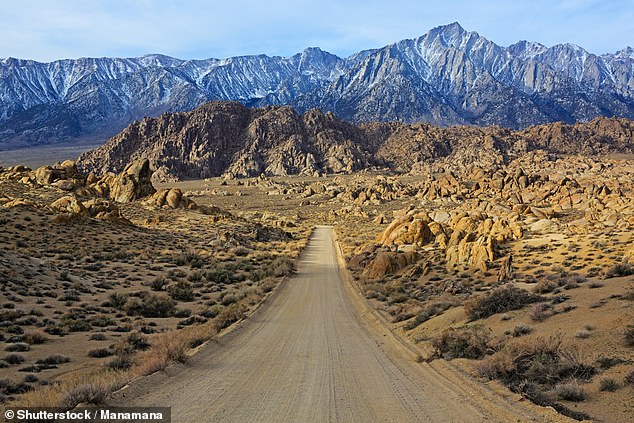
column 51, row 29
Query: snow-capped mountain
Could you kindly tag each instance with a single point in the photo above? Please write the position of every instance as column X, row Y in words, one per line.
column 447, row 76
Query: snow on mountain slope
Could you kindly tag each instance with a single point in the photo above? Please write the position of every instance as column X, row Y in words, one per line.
column 446, row 76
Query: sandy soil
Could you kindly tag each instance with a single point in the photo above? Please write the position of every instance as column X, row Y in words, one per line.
column 307, row 355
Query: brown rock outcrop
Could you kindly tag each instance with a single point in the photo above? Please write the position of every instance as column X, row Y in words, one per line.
column 386, row 263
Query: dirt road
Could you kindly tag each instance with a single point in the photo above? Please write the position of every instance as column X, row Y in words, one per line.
column 308, row 356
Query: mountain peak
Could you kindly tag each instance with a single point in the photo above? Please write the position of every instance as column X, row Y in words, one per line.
column 448, row 76
column 526, row 50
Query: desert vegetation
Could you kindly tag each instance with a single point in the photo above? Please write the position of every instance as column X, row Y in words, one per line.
column 513, row 269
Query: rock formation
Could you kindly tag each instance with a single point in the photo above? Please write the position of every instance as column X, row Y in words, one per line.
column 225, row 138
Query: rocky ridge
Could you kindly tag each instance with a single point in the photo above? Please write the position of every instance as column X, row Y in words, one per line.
column 227, row 138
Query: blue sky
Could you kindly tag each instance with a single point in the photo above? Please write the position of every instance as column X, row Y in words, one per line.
column 46, row 30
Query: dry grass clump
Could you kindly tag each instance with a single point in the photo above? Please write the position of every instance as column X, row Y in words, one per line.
column 89, row 388
column 35, row 338
column 469, row 342
column 570, row 391
column 542, row 369
column 231, row 314
column 499, row 300
column 167, row 348
column 608, row 384
column 521, row 330
column 619, row 269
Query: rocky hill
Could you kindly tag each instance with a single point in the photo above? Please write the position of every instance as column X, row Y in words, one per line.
column 447, row 76
column 227, row 138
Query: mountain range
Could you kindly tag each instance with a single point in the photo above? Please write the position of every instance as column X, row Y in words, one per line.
column 447, row 76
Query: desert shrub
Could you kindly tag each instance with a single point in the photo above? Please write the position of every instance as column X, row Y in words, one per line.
column 431, row 310
column 544, row 362
column 137, row 341
column 30, row 379
column 102, row 321
column 190, row 258
column 540, row 312
column 89, row 393
column 167, row 348
column 75, row 321
column 228, row 298
column 582, row 334
column 17, row 347
column 100, row 352
column 14, row 358
column 545, row 285
column 152, row 306
column 570, row 391
column 212, row 311
column 158, row 283
column 282, row 266
column 520, row 330
column 53, row 360
column 619, row 269
column 469, row 342
column 195, row 276
column 608, row 384
column 609, row 362
column 9, row 387
column 10, row 315
column 116, row 300
column 499, row 300
column 120, row 362
column 218, row 276
column 629, row 378
column 98, row 337
column 229, row 315
column 181, row 291
column 35, row 338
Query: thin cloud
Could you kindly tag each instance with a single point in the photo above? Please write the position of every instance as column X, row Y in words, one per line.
column 52, row 29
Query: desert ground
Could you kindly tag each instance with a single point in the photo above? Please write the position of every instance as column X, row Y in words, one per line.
column 516, row 279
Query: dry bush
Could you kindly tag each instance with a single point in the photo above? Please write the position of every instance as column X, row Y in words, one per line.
column 88, row 393
column 539, row 361
column 230, row 315
column 521, row 330
column 181, row 291
column 619, row 269
column 540, row 312
column 152, row 306
column 499, row 300
column 167, row 348
column 608, row 384
column 545, row 285
column 100, row 352
column 569, row 391
column 74, row 389
column 469, row 342
column 120, row 362
column 35, row 338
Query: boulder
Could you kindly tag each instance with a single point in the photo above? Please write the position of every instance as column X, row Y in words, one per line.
column 69, row 204
column 387, row 263
column 133, row 183
column 171, row 198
